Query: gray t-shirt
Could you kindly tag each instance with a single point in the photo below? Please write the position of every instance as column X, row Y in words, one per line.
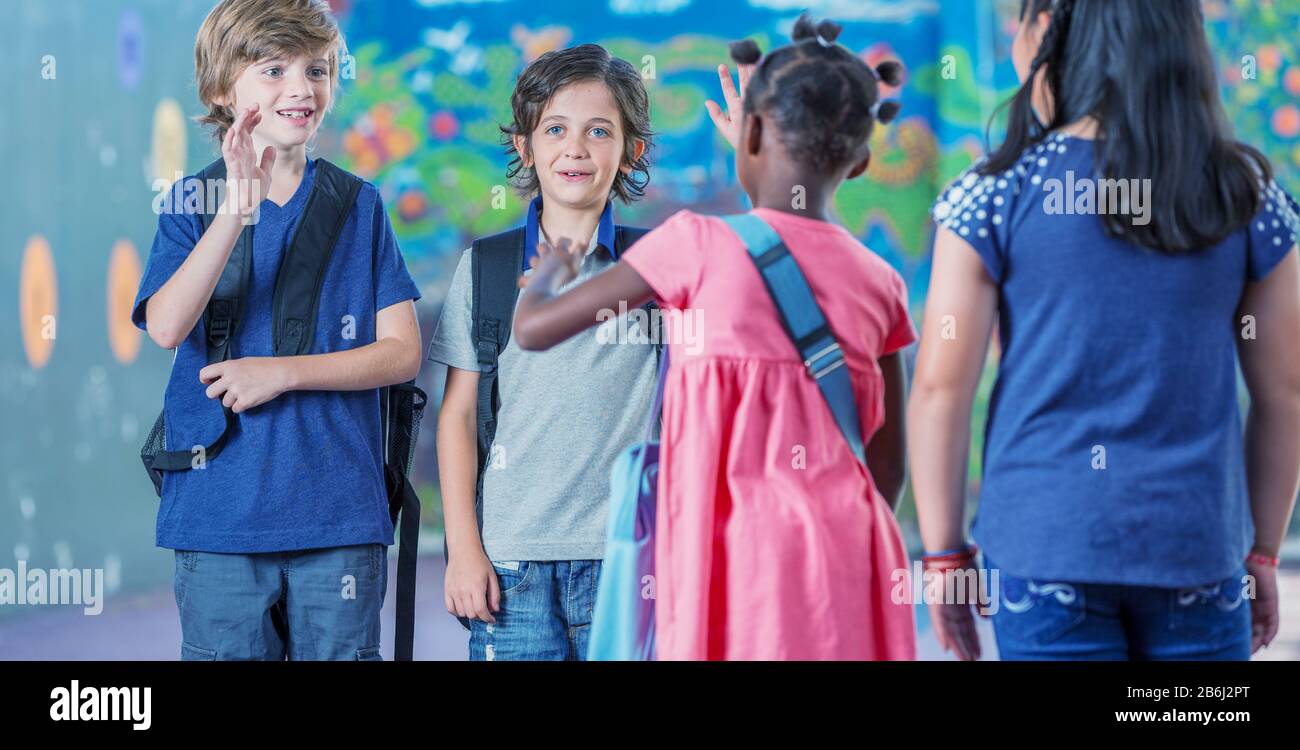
column 566, row 413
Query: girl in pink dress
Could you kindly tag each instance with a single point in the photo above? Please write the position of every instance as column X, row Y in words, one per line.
column 772, row 541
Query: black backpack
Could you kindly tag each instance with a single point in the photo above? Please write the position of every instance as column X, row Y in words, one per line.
column 495, row 264
column 294, row 305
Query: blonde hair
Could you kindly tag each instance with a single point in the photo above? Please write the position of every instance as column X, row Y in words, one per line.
column 240, row 32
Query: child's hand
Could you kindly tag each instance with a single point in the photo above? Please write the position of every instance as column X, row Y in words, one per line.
column 954, row 624
column 470, row 587
column 555, row 266
column 247, row 182
column 729, row 122
column 1264, row 618
column 244, row 383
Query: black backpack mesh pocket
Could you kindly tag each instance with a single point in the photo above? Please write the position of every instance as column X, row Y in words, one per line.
column 153, row 445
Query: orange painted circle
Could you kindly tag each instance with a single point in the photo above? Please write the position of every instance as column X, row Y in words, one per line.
column 38, row 301
column 1292, row 81
column 123, row 280
column 1286, row 121
column 1270, row 58
column 168, row 152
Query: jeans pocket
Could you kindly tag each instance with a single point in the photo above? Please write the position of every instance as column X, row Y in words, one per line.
column 1212, row 613
column 1038, row 611
column 512, row 580
column 194, row 653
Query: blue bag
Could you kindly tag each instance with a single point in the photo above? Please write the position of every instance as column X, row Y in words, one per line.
column 623, row 622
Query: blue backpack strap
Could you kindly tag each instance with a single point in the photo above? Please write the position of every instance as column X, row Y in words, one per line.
column 803, row 321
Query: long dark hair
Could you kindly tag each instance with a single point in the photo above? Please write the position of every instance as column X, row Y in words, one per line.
column 1144, row 71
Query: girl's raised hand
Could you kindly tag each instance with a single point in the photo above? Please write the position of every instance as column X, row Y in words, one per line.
column 554, row 266
column 247, row 181
column 729, row 122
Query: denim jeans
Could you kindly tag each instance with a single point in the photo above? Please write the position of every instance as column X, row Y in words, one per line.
column 319, row 604
column 1060, row 620
column 545, row 612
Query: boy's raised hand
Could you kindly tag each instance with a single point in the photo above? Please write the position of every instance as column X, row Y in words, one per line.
column 730, row 121
column 248, row 182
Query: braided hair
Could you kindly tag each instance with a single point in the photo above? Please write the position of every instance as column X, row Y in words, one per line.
column 824, row 99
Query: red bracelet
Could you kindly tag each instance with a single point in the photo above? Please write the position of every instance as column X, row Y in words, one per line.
column 1256, row 557
column 962, row 554
column 946, row 566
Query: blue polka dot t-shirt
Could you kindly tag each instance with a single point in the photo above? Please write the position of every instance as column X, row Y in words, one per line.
column 1113, row 449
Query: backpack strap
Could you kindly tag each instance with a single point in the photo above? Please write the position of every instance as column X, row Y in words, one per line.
column 624, row 238
column 221, row 316
column 401, row 407
column 297, row 287
column 495, row 262
column 302, row 271
column 803, row 321
column 494, row 273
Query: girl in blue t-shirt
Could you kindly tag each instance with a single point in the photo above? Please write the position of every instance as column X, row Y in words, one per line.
column 1131, row 252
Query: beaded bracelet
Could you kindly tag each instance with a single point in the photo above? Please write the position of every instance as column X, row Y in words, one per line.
column 1261, row 559
column 957, row 553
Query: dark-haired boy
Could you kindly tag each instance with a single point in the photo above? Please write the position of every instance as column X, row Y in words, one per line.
column 533, row 435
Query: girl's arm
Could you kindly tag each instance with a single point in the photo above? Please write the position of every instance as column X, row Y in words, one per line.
column 1270, row 364
column 544, row 318
column 962, row 298
column 947, row 375
column 886, row 457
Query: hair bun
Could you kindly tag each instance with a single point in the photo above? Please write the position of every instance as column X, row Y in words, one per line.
column 826, row 32
column 745, row 52
column 804, row 28
column 887, row 111
column 890, row 72
column 829, row 30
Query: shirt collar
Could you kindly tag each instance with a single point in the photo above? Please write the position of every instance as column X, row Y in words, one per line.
column 604, row 231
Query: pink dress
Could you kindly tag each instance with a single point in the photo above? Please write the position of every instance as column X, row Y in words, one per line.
column 772, row 541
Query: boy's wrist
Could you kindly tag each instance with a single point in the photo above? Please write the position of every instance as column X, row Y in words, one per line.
column 290, row 373
column 228, row 220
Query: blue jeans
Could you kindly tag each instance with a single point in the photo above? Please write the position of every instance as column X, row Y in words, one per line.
column 545, row 612
column 1059, row 620
column 319, row 604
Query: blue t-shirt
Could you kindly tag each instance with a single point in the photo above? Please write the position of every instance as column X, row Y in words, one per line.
column 304, row 470
column 1113, row 356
